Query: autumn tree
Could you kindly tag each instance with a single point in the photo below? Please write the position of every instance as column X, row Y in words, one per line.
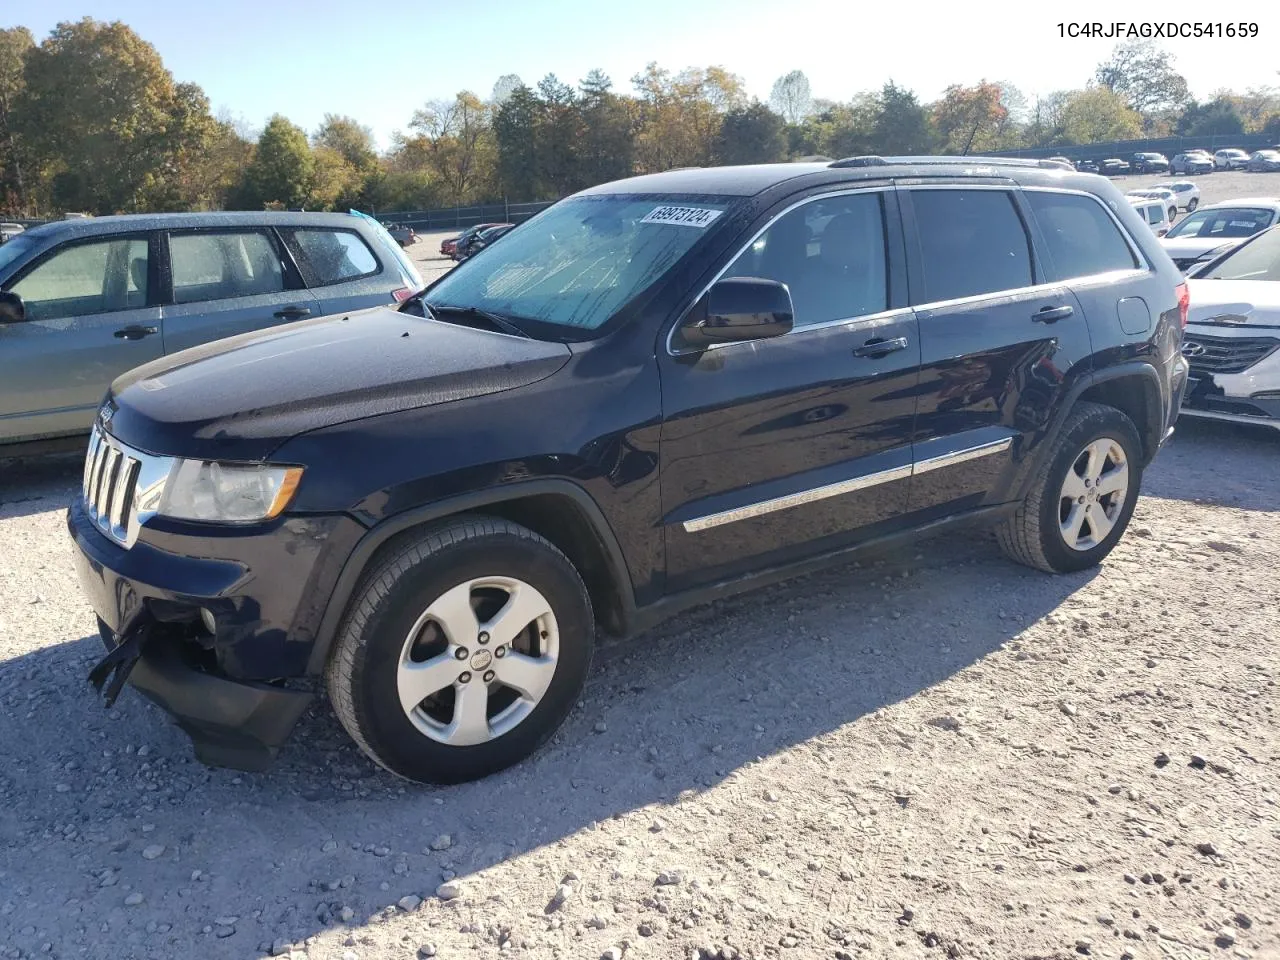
column 283, row 167
column 791, row 97
column 459, row 144
column 680, row 114
column 350, row 139
column 967, row 118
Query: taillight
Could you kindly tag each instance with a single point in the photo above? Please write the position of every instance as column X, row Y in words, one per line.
column 1184, row 302
column 404, row 293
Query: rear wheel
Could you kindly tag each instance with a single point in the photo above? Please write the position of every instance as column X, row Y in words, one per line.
column 1192, row 204
column 463, row 651
column 1083, row 496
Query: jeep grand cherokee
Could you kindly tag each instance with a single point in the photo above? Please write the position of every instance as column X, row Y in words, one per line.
column 655, row 392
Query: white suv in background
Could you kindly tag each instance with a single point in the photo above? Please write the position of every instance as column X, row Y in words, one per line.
column 1187, row 193
column 1230, row 159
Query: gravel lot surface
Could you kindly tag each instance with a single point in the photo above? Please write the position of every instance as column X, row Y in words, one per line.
column 936, row 754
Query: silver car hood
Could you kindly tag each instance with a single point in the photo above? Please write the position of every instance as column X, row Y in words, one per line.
column 1180, row 248
column 1234, row 303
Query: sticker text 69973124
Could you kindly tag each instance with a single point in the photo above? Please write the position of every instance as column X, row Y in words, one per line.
column 682, row 216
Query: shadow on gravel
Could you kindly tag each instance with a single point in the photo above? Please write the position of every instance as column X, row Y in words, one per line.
column 680, row 708
column 39, row 484
column 1222, row 464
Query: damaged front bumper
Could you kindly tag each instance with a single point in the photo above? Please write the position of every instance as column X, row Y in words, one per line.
column 148, row 603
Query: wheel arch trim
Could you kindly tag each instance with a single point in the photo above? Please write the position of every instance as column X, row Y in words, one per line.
column 358, row 561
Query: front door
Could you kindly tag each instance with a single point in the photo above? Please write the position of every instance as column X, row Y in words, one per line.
column 90, row 317
column 998, row 338
column 776, row 449
column 226, row 282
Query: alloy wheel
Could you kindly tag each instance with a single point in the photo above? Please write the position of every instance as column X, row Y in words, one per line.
column 1093, row 494
column 478, row 660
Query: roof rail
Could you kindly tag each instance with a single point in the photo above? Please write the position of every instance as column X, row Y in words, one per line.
column 875, row 161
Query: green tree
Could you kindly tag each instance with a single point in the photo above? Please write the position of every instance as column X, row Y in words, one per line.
column 515, row 128
column 751, row 134
column 103, row 117
column 336, row 183
column 350, row 139
column 1206, row 119
column 607, row 149
column 1097, row 115
column 558, row 136
column 283, row 167
column 902, row 124
column 15, row 44
column 1143, row 74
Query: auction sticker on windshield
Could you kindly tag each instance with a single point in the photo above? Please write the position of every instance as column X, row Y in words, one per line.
column 683, row 216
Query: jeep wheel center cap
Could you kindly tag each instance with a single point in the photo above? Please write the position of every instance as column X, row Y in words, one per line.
column 481, row 660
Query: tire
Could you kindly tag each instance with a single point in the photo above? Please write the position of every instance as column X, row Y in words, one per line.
column 1192, row 204
column 414, row 611
column 1034, row 534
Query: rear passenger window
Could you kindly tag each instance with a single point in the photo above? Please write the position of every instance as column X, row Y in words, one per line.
column 830, row 253
column 971, row 242
column 218, row 266
column 331, row 256
column 1081, row 237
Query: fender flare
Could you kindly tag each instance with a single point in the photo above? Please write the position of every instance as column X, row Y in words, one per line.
column 368, row 545
column 1131, row 368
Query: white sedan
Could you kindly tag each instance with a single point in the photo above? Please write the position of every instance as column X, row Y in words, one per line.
column 1232, row 340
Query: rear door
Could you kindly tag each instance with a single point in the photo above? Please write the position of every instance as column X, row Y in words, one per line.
column 223, row 282
column 92, row 314
column 341, row 269
column 998, row 339
column 778, row 449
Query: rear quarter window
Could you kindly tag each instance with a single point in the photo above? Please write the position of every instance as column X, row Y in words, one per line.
column 1080, row 235
column 331, row 256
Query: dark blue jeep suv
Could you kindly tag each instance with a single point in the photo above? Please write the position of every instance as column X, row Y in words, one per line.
column 656, row 392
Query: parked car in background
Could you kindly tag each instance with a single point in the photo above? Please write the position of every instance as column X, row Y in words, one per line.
column 1232, row 341
column 1186, row 192
column 10, row 230
column 1217, row 227
column 1191, row 163
column 1114, row 167
column 472, row 245
column 1088, row 166
column 1149, row 163
column 402, row 234
column 450, row 246
column 1154, row 212
column 656, row 392
column 1158, row 193
column 1230, row 159
column 87, row 300
column 1264, row 161
column 1063, row 160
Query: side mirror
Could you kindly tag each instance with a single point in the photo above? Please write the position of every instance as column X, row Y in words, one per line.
column 12, row 309
column 739, row 309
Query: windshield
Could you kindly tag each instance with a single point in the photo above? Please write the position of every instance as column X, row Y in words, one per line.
column 577, row 263
column 1268, row 154
column 14, row 250
column 1229, row 222
column 1259, row 259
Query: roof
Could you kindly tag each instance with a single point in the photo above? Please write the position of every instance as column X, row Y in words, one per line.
column 747, row 181
column 1242, row 202
column 93, row 226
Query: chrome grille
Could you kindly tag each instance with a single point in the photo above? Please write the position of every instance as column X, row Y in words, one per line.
column 121, row 486
column 1210, row 355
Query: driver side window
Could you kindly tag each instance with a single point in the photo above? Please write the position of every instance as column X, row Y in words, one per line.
column 87, row 278
column 831, row 255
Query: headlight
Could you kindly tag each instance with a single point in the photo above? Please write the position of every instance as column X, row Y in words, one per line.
column 227, row 492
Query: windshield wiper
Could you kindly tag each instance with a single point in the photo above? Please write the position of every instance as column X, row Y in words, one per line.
column 494, row 319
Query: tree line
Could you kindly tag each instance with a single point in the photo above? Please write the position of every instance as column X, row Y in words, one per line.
column 91, row 120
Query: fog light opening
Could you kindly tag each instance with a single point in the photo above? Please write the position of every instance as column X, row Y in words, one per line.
column 207, row 618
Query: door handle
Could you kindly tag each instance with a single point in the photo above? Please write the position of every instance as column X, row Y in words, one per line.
column 880, row 347
column 292, row 313
column 135, row 332
column 1052, row 314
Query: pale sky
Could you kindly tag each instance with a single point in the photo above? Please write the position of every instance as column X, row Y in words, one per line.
column 378, row 61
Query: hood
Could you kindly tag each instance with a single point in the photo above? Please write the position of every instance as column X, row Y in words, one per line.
column 1181, row 248
column 240, row 398
column 1248, row 303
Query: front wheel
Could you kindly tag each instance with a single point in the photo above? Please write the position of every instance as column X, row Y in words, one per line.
column 462, row 652
column 1082, row 497
column 1191, row 205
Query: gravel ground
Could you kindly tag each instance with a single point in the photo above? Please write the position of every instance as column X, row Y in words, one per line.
column 939, row 754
